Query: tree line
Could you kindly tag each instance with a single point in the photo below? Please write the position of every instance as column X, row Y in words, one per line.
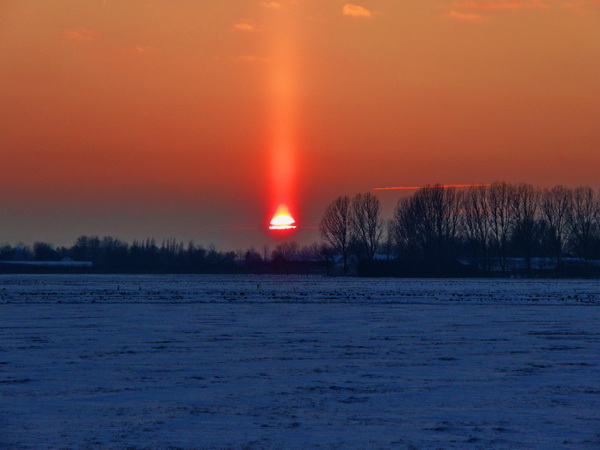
column 440, row 231
column 499, row 229
column 113, row 255
column 110, row 255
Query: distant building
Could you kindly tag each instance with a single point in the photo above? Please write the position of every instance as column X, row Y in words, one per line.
column 66, row 264
column 535, row 266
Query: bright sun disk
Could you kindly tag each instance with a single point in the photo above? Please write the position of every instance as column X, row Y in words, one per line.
column 282, row 220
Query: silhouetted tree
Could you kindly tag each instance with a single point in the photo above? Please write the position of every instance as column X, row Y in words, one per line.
column 286, row 251
column 252, row 260
column 501, row 203
column 526, row 227
column 584, row 223
column 86, row 248
column 6, row 253
column 403, row 229
column 427, row 224
column 115, row 254
column 195, row 256
column 312, row 252
column 335, row 227
column 478, row 223
column 22, row 252
column 557, row 210
column 366, row 226
column 388, row 244
column 43, row 251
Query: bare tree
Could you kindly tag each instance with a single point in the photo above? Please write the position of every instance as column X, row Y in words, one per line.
column 252, row 259
column 389, row 243
column 557, row 209
column 311, row 252
column 400, row 228
column 426, row 224
column 501, row 204
column 525, row 226
column 366, row 226
column 286, row 251
column 44, row 251
column 584, row 222
column 86, row 248
column 335, row 227
column 478, row 223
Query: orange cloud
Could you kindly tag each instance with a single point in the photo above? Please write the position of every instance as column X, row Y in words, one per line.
column 140, row 49
column 356, row 11
column 245, row 27
column 467, row 17
column 271, row 5
column 500, row 4
column 79, row 34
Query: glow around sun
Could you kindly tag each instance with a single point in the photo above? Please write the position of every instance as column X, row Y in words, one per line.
column 282, row 219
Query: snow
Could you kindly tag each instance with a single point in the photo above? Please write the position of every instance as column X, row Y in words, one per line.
column 296, row 362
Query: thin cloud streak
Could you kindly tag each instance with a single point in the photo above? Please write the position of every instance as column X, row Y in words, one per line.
column 244, row 27
column 501, row 5
column 467, row 17
column 79, row 34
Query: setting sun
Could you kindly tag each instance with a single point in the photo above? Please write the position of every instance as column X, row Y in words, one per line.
column 282, row 220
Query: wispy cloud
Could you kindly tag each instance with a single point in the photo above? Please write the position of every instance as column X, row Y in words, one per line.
column 356, row 11
column 467, row 17
column 496, row 5
column 245, row 27
column 271, row 5
column 79, row 34
column 142, row 49
column 479, row 11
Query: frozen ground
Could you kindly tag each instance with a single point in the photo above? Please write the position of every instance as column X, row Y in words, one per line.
column 238, row 362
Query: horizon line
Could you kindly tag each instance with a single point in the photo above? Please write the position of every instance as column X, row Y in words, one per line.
column 413, row 188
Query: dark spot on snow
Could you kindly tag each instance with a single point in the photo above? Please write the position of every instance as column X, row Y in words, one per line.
column 353, row 399
column 15, row 381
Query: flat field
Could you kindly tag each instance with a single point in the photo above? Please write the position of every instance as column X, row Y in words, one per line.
column 271, row 362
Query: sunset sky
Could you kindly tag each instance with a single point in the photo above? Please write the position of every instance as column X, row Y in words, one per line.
column 194, row 119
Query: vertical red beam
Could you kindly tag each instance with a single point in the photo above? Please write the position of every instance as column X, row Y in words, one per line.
column 283, row 111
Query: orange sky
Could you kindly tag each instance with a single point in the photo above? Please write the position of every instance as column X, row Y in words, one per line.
column 165, row 118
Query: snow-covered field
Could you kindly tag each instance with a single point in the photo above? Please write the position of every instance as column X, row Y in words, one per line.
column 259, row 361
